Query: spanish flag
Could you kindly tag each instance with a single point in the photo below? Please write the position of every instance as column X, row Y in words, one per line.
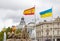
column 29, row 11
column 46, row 13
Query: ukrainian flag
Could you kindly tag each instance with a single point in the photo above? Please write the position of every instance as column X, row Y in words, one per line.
column 46, row 13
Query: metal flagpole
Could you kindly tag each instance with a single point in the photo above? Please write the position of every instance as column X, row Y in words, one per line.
column 52, row 25
column 35, row 24
column 35, row 21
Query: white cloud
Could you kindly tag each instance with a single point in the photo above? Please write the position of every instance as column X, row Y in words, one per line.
column 1, row 25
column 8, row 22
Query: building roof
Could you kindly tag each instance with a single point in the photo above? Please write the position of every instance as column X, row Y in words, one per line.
column 56, row 20
column 31, row 24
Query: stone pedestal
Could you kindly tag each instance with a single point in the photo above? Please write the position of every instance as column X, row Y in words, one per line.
column 18, row 40
column 21, row 36
column 10, row 39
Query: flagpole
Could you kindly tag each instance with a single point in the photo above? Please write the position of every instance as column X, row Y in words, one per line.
column 52, row 25
column 35, row 24
column 35, row 27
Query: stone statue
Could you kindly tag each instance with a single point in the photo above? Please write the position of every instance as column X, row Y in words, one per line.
column 22, row 36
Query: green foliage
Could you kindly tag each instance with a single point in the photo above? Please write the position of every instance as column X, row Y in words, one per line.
column 7, row 30
column 18, row 31
column 1, row 35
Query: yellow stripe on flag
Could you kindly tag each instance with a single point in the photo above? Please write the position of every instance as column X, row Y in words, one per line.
column 46, row 15
column 29, row 11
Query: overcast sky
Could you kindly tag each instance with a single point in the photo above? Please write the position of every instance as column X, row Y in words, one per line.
column 12, row 10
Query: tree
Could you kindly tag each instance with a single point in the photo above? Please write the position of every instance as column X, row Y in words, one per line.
column 8, row 30
column 1, row 35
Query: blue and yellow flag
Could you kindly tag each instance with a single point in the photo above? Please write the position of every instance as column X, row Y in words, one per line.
column 46, row 13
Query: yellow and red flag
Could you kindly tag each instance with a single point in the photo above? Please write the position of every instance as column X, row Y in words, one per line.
column 29, row 11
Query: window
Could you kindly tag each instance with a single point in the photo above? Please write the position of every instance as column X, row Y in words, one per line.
column 58, row 32
column 47, row 32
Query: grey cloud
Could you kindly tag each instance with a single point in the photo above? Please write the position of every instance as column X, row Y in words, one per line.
column 13, row 17
column 21, row 4
column 15, row 4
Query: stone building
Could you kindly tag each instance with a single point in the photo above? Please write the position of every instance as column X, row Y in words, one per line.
column 21, row 24
column 31, row 30
column 48, row 30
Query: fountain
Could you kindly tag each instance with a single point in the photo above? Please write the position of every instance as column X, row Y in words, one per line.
column 21, row 36
column 4, row 36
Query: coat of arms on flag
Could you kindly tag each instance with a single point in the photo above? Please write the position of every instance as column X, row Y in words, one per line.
column 29, row 11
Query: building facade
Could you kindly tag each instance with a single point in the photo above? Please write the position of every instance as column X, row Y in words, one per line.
column 48, row 30
column 31, row 30
column 21, row 24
